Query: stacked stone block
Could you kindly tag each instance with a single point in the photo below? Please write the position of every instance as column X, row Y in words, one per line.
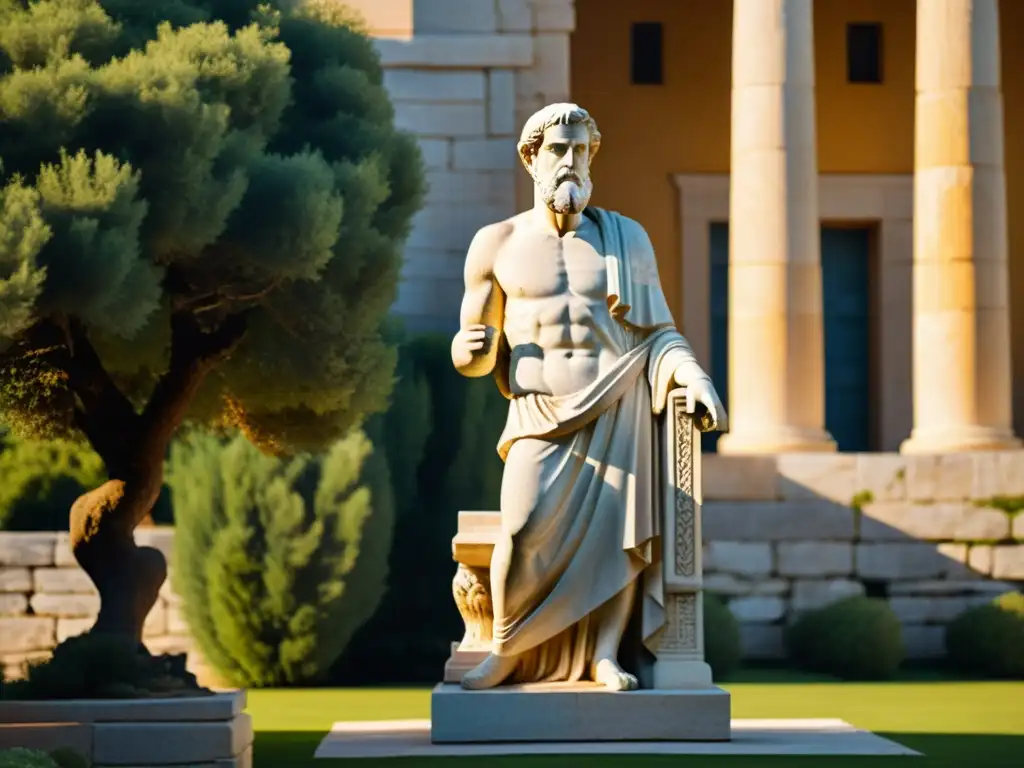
column 463, row 76
column 46, row 598
column 932, row 534
column 782, row 534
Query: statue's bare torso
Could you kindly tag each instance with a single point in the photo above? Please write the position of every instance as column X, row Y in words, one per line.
column 556, row 312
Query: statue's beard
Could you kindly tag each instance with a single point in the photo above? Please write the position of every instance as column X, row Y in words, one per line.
column 566, row 192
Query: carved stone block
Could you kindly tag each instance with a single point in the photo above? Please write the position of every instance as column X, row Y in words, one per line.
column 471, row 588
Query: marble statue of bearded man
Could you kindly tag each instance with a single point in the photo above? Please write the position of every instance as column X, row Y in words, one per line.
column 564, row 306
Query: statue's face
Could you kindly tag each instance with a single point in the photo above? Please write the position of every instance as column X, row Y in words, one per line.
column 561, row 169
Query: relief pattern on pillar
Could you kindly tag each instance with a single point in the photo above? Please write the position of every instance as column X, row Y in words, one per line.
column 471, row 589
column 680, row 633
column 686, row 511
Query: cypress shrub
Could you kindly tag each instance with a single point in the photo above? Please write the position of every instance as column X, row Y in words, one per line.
column 856, row 638
column 440, row 436
column 989, row 639
column 278, row 561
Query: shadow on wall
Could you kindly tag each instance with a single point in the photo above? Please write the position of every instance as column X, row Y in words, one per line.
column 934, row 535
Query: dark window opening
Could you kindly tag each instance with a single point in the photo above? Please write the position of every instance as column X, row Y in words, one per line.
column 864, row 52
column 645, row 53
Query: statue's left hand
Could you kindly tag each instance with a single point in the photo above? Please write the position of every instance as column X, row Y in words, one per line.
column 702, row 392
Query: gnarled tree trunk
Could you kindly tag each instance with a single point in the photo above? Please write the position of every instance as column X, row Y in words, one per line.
column 133, row 446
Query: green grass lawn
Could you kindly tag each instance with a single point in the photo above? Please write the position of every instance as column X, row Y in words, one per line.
column 956, row 724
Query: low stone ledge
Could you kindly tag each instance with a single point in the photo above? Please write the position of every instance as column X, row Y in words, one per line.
column 195, row 731
column 219, row 706
column 178, row 743
column 47, row 736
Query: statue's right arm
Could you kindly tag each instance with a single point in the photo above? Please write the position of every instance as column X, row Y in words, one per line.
column 481, row 320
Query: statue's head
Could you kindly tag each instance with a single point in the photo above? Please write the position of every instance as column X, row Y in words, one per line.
column 557, row 146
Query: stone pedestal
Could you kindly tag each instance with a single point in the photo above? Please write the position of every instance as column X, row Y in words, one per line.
column 679, row 701
column 576, row 712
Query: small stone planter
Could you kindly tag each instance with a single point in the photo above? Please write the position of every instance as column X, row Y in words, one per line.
column 198, row 731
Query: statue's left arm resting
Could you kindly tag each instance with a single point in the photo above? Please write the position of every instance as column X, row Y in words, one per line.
column 673, row 362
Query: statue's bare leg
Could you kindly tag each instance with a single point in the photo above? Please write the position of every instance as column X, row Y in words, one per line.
column 495, row 670
column 612, row 619
column 491, row 672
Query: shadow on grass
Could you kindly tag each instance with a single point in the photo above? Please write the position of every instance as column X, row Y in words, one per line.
column 779, row 674
column 295, row 750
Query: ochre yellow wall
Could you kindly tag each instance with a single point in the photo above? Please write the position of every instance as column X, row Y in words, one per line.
column 652, row 132
column 1012, row 19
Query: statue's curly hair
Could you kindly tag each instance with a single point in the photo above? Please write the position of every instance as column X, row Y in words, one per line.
column 555, row 114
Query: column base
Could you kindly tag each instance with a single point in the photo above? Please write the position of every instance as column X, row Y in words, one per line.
column 960, row 439
column 777, row 440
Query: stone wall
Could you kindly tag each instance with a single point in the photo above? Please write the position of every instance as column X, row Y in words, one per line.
column 782, row 534
column 933, row 534
column 463, row 76
column 45, row 598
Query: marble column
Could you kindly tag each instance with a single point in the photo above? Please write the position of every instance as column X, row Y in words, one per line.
column 776, row 346
column 961, row 356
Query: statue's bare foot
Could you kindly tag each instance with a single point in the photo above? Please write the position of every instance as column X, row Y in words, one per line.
column 492, row 671
column 610, row 674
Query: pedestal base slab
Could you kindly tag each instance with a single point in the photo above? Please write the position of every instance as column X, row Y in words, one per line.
column 564, row 712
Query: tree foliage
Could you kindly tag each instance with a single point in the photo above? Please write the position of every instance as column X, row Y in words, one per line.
column 202, row 210
column 201, row 160
column 278, row 561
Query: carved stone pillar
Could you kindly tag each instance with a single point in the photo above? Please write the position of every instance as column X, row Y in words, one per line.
column 680, row 656
column 471, row 588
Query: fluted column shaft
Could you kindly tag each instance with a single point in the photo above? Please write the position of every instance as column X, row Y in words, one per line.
column 961, row 356
column 776, row 346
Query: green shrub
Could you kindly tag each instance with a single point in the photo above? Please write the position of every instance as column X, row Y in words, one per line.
column 440, row 435
column 41, row 480
column 26, row 758
column 989, row 639
column 104, row 666
column 68, row 758
column 857, row 638
column 33, row 758
column 278, row 562
column 722, row 648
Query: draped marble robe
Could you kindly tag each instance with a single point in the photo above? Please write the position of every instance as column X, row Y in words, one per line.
column 580, row 492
